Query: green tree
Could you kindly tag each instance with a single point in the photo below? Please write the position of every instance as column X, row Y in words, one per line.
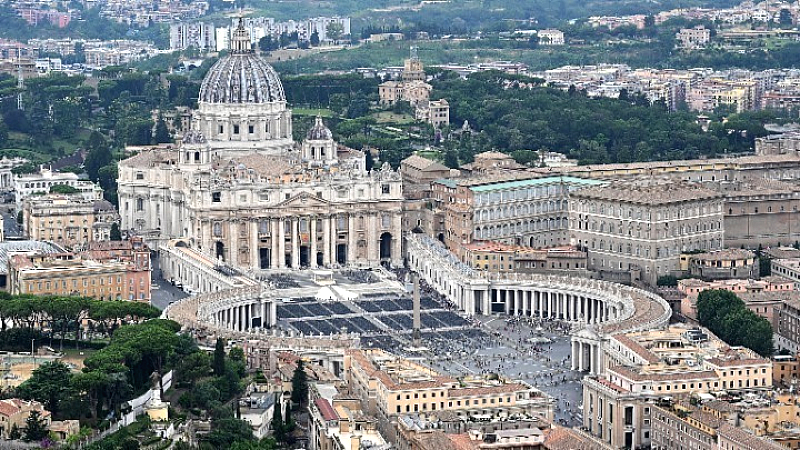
column 162, row 135
column 299, row 384
column 314, row 39
column 49, row 384
column 219, row 357
column 277, row 425
column 334, row 31
column 714, row 304
column 116, row 235
column 227, row 431
column 92, row 385
column 35, row 427
column 99, row 155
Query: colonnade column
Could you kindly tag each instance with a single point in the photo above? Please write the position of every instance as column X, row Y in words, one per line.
column 574, row 355
column 264, row 320
column 581, row 352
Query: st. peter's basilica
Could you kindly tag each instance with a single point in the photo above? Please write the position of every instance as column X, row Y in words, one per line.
column 240, row 190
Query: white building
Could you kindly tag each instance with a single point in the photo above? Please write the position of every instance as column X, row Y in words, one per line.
column 40, row 183
column 200, row 35
column 551, row 37
column 240, row 190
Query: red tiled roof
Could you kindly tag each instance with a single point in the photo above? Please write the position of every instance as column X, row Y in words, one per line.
column 325, row 408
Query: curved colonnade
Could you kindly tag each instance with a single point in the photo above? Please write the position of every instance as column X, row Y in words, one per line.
column 195, row 313
column 598, row 309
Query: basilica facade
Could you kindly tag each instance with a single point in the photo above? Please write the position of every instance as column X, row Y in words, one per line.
column 240, row 190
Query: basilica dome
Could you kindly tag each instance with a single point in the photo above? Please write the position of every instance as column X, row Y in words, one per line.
column 242, row 76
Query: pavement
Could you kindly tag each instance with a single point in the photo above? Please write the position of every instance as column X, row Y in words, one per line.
column 544, row 365
column 10, row 226
column 162, row 292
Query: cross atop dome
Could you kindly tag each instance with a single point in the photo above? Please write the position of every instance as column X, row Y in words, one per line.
column 240, row 42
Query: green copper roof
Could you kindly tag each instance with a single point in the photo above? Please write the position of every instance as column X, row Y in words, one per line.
column 447, row 182
column 534, row 182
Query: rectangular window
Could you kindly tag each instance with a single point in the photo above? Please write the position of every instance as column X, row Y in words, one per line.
column 236, row 129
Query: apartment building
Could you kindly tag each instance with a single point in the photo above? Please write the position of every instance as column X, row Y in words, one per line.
column 647, row 366
column 389, row 386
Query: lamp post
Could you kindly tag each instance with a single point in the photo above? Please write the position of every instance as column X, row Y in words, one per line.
column 33, row 355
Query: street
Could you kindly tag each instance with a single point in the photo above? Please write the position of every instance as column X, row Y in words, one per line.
column 162, row 292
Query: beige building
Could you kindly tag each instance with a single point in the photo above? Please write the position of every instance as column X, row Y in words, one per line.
column 68, row 220
column 496, row 257
column 389, row 386
column 242, row 192
column 66, row 275
column 14, row 412
column 418, row 173
column 721, row 264
column 674, row 362
column 639, row 229
column 786, row 324
column 684, row 427
column 763, row 297
column 413, row 89
column 693, row 38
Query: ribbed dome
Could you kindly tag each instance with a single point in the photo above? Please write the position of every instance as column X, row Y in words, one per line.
column 319, row 132
column 242, row 76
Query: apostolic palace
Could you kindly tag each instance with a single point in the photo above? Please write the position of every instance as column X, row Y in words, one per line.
column 240, row 190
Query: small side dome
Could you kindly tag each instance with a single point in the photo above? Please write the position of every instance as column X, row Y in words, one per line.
column 319, row 132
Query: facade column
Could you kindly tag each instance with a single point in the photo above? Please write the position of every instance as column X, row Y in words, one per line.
column 312, row 259
column 295, row 243
column 397, row 239
column 373, row 234
column 551, row 309
column 235, row 324
column 351, row 240
column 273, row 240
column 581, row 351
column 281, row 256
column 326, row 241
column 254, row 253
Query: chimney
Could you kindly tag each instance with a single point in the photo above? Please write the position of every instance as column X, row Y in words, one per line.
column 355, row 442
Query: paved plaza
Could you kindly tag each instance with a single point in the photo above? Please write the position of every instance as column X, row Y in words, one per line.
column 537, row 352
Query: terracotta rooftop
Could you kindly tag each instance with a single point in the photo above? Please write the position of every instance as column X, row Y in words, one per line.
column 635, row 347
column 325, row 408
